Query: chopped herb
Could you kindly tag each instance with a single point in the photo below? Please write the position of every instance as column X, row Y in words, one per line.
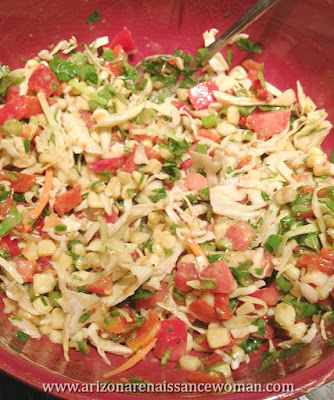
column 202, row 55
column 43, row 300
column 301, row 204
column 271, row 108
column 23, row 337
column 72, row 243
column 54, row 297
column 207, row 284
column 302, row 307
column 229, row 57
column 233, row 303
column 148, row 244
column 169, row 253
column 332, row 157
column 11, row 220
column 265, row 196
column 108, row 54
column 215, row 257
column 245, row 111
column 63, row 69
column 283, row 284
column 204, row 192
column 269, row 359
column 94, row 17
column 261, row 79
column 176, row 147
column 251, row 344
column 260, row 323
column 4, row 195
column 192, row 198
column 131, row 193
column 247, row 45
column 83, row 347
column 166, row 356
column 229, row 169
column 7, row 80
column 272, row 244
column 258, row 271
column 202, row 149
column 241, row 274
column 310, row 240
column 178, row 296
column 60, row 228
column 84, row 317
column 142, row 294
column 209, row 121
column 170, row 168
column 160, row 194
column 87, row 73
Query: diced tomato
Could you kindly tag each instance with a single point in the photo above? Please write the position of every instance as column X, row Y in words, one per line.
column 250, row 64
column 302, row 216
column 146, row 333
column 222, row 305
column 10, row 246
column 40, row 226
column 183, row 107
column 186, row 164
column 205, row 377
column 221, row 275
column 204, row 311
column 110, row 218
column 196, row 181
column 13, row 91
column 134, row 255
column 117, row 67
column 241, row 234
column 107, row 165
column 130, row 165
column 101, row 286
column 44, row 264
column 185, row 272
column 270, row 295
column 213, row 359
column 118, row 324
column 204, row 345
column 132, row 132
column 206, row 133
column 19, row 182
column 87, row 117
column 323, row 261
column 267, row 264
column 152, row 301
column 260, row 91
column 20, row 107
column 269, row 333
column 151, row 154
column 43, row 80
column 27, row 269
column 269, row 123
column 201, row 95
column 67, row 201
column 124, row 39
column 173, row 334
column 5, row 206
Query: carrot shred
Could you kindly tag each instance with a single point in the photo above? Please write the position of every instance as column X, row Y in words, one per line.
column 42, row 202
column 133, row 360
column 196, row 248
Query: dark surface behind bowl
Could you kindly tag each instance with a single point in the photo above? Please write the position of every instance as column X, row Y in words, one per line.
column 298, row 43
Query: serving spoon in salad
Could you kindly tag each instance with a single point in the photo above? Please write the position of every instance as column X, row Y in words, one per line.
column 247, row 19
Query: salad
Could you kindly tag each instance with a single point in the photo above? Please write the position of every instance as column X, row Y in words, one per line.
column 191, row 217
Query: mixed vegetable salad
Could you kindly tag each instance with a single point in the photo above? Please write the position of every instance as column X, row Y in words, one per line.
column 191, row 215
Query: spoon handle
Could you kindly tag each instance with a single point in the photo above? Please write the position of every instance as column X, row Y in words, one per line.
column 251, row 16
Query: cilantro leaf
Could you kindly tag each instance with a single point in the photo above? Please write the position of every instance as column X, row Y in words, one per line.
column 176, row 147
column 142, row 294
column 87, row 73
column 94, row 17
column 63, row 69
column 202, row 55
column 7, row 80
column 170, row 168
column 247, row 45
column 160, row 194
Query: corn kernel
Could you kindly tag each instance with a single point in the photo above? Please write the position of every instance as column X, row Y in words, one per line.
column 39, row 305
column 285, row 195
column 43, row 283
column 56, row 336
column 218, row 337
column 79, row 249
column 57, row 318
column 298, row 330
column 30, row 251
column 114, row 188
column 46, row 248
column 139, row 237
column 190, row 363
column 285, row 314
column 94, row 200
column 233, row 115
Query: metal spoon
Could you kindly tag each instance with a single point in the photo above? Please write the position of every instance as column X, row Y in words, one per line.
column 251, row 16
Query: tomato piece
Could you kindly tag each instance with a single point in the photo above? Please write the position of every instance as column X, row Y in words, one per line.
column 118, row 324
column 222, row 305
column 107, row 165
column 270, row 295
column 10, row 246
column 206, row 133
column 152, row 154
column 44, row 264
column 185, row 272
column 117, row 67
column 269, row 123
column 183, row 107
column 250, row 64
column 152, row 301
column 101, row 286
column 323, row 261
column 212, row 359
column 130, row 165
column 67, row 201
column 173, row 334
column 5, row 206
column 221, row 275
column 186, row 164
column 201, row 95
column 146, row 333
column 87, row 117
column 205, row 377
column 13, row 91
column 19, row 182
column 268, row 333
column 110, row 219
column 27, row 269
column 241, row 234
column 196, row 182
column 124, row 39
column 43, row 80
column 132, row 132
column 204, row 311
column 20, row 107
column 267, row 264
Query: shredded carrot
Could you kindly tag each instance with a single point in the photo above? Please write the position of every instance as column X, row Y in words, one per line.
column 42, row 202
column 195, row 248
column 133, row 360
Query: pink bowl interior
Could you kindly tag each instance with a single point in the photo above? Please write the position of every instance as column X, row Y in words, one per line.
column 298, row 42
